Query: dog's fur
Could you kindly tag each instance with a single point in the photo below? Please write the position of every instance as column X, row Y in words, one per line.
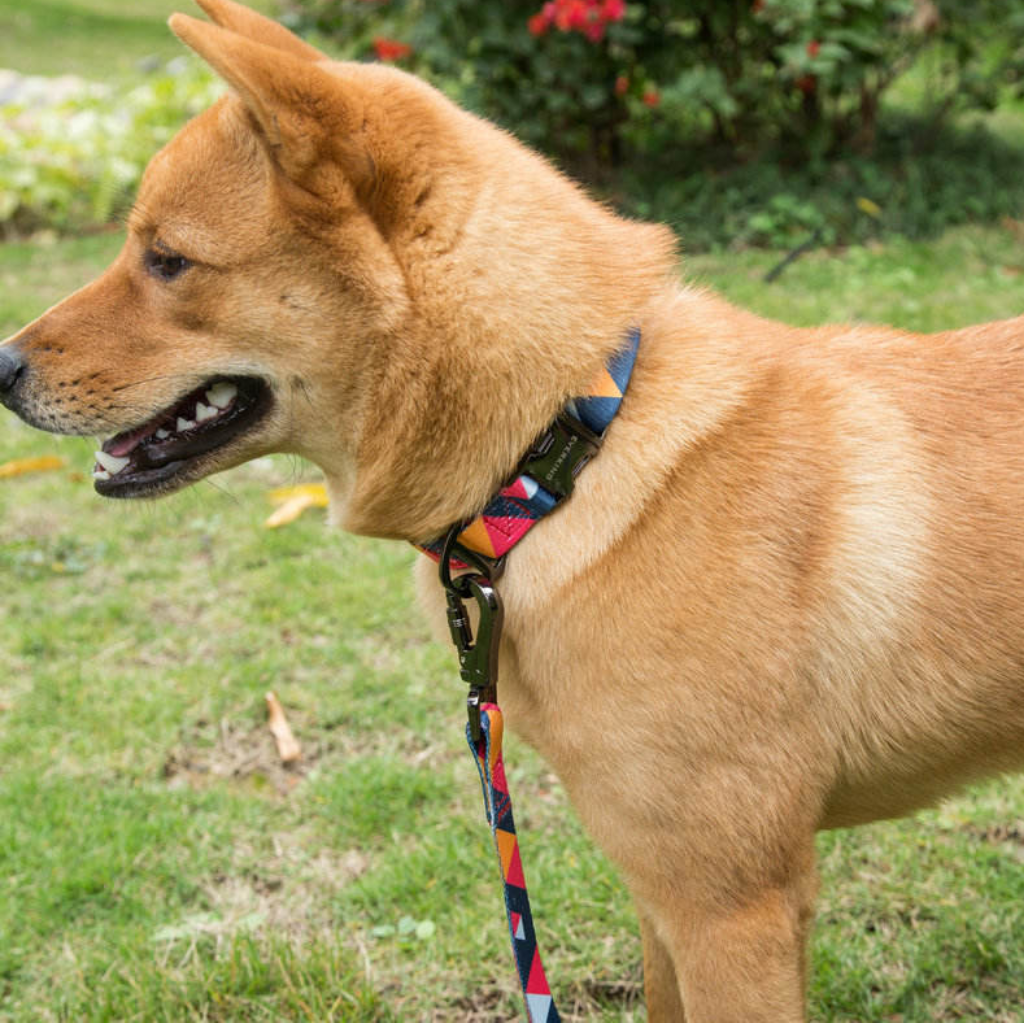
column 787, row 595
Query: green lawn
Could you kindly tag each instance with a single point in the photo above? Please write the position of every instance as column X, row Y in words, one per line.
column 969, row 275
column 92, row 38
column 157, row 862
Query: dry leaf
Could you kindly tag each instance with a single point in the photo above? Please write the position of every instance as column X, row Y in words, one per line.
column 868, row 206
column 316, row 492
column 289, row 512
column 293, row 501
column 288, row 748
column 19, row 467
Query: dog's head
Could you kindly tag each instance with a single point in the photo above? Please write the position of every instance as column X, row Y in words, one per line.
column 335, row 261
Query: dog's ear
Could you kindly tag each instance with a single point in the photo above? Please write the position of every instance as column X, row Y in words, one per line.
column 256, row 27
column 306, row 115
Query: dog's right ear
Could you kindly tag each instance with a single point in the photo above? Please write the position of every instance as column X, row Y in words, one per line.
column 306, row 115
column 246, row 22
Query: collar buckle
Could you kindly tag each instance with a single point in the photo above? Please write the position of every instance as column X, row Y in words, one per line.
column 560, row 453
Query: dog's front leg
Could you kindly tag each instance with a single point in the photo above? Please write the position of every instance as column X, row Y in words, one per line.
column 737, row 956
column 661, row 987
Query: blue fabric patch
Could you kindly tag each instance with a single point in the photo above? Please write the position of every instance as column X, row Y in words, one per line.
column 596, row 412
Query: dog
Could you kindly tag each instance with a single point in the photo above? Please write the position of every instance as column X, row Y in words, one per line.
column 786, row 595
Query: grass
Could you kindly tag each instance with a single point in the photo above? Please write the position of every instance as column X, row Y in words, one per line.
column 968, row 275
column 158, row 862
column 161, row 863
column 96, row 39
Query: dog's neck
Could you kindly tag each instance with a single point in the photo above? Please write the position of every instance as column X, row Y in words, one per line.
column 546, row 474
column 448, row 426
column 531, row 284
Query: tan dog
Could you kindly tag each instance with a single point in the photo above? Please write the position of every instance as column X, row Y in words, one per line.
column 787, row 595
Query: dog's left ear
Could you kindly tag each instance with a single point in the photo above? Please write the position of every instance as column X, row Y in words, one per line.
column 305, row 114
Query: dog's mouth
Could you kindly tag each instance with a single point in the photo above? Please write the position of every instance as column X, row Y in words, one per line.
column 174, row 447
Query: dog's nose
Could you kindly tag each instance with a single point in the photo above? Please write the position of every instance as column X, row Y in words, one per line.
column 12, row 366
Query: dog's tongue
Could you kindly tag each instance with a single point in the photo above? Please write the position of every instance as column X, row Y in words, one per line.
column 122, row 444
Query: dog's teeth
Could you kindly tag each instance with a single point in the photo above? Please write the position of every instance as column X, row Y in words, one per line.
column 100, row 474
column 221, row 395
column 113, row 464
column 205, row 412
column 162, row 435
column 184, row 425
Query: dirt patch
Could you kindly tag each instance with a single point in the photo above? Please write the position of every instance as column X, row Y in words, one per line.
column 229, row 749
column 1008, row 834
column 284, row 898
column 489, row 1002
column 286, row 895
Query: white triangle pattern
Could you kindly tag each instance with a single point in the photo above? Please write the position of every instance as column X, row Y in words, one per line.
column 538, row 1006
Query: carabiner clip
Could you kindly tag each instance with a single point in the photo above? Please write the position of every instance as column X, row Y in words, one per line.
column 478, row 654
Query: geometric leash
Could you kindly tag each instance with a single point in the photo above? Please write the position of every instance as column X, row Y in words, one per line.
column 545, row 478
column 540, row 1006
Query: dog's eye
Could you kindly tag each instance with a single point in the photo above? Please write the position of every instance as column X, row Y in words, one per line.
column 166, row 265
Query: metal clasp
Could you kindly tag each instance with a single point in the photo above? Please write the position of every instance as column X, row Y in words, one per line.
column 478, row 654
column 560, row 453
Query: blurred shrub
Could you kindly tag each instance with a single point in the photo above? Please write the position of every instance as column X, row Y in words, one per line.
column 594, row 82
column 77, row 163
column 918, row 182
column 698, row 114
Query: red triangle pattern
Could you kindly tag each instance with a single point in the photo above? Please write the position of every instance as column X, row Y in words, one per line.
column 506, row 530
column 537, row 983
column 515, row 870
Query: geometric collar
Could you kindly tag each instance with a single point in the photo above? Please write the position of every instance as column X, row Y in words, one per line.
column 546, row 474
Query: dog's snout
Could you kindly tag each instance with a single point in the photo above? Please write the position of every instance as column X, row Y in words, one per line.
column 12, row 368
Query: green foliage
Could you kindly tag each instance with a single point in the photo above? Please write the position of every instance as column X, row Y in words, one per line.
column 78, row 163
column 806, row 75
column 757, row 123
column 661, row 134
column 918, row 183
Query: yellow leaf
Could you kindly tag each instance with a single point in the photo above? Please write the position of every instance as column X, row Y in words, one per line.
column 19, row 467
column 868, row 206
column 315, row 493
column 290, row 510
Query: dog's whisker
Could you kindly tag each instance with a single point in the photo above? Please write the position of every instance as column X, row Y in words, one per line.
column 146, row 380
column 223, row 489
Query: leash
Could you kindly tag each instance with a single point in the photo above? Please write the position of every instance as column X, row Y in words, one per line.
column 540, row 1006
column 475, row 551
column 478, row 661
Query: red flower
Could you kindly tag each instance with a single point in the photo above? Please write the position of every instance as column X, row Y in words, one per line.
column 390, row 49
column 577, row 14
column 807, row 84
column 757, row 6
column 813, row 48
column 588, row 17
column 652, row 98
column 538, row 24
column 621, row 85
